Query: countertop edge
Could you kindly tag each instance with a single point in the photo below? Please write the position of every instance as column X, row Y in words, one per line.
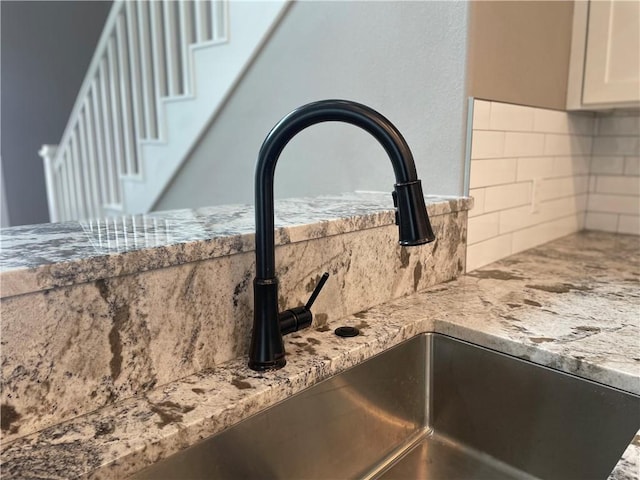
column 216, row 232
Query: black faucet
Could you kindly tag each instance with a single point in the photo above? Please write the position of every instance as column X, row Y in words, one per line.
column 267, row 347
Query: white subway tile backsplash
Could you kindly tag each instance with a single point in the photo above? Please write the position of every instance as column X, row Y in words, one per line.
column 550, row 121
column 619, row 126
column 518, row 218
column 486, row 144
column 616, row 184
column 555, row 121
column 568, row 166
column 562, row 207
column 629, row 224
column 632, row 166
column 478, row 201
column 492, row 172
column 581, row 202
column 511, row 118
column 551, row 188
column 507, row 196
column 582, row 123
column 616, row 146
column 483, row 253
column 529, row 168
column 607, row 165
column 481, row 113
column 629, row 185
column 545, row 232
column 606, row 203
column 607, row 222
column 523, row 144
column 482, row 227
column 567, row 144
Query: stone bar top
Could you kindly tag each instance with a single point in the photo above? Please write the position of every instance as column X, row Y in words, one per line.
column 572, row 305
column 40, row 257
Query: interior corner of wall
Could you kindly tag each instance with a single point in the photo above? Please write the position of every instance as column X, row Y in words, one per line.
column 467, row 147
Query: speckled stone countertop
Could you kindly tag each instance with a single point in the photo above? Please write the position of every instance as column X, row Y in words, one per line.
column 40, row 257
column 572, row 305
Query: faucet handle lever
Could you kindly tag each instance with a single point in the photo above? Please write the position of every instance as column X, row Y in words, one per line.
column 316, row 291
column 297, row 318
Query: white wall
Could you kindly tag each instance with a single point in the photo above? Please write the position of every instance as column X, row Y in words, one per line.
column 405, row 59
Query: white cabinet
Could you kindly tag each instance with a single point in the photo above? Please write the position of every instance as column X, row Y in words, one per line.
column 605, row 55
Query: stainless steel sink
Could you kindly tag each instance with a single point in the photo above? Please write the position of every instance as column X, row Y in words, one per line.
column 431, row 408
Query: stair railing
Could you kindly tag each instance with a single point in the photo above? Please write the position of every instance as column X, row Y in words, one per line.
column 141, row 58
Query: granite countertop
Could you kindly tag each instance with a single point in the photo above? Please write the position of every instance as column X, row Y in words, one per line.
column 49, row 255
column 571, row 304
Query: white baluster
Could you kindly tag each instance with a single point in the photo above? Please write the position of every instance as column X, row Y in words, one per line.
column 146, row 67
column 92, row 158
column 115, row 233
column 171, row 36
column 128, row 126
column 124, row 232
column 167, row 232
column 73, row 177
column 186, row 39
column 78, row 177
column 202, row 20
column 108, row 163
column 69, row 184
column 107, row 234
column 116, row 120
column 61, row 175
column 99, row 229
column 66, row 205
column 158, row 44
column 219, row 20
column 133, row 46
column 156, row 239
column 48, row 153
column 134, row 232
column 88, row 160
column 101, row 155
column 59, row 194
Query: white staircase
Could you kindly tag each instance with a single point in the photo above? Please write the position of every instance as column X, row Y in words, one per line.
column 161, row 72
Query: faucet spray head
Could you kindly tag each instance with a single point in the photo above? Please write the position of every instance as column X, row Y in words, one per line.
column 411, row 214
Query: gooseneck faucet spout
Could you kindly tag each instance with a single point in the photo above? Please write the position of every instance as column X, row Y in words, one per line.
column 267, row 347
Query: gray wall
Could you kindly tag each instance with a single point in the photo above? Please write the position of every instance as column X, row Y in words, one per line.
column 405, row 59
column 46, row 48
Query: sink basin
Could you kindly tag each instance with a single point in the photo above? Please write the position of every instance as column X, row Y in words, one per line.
column 433, row 407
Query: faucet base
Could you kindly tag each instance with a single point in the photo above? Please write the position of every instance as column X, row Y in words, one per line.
column 266, row 366
column 267, row 348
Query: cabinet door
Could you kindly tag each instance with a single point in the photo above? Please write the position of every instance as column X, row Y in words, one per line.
column 612, row 64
